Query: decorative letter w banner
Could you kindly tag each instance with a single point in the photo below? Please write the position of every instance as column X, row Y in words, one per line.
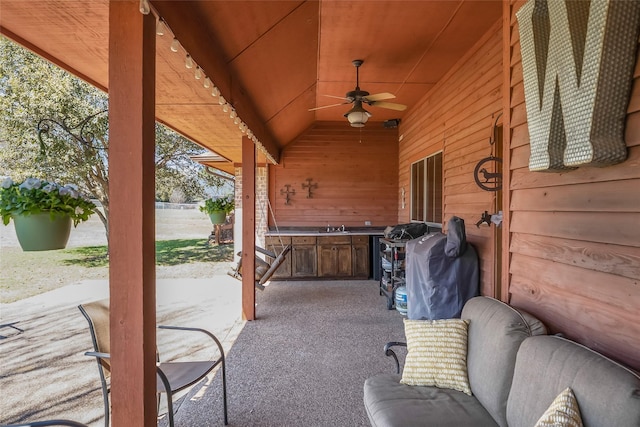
column 577, row 60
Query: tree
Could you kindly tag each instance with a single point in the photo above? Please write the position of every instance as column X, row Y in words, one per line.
column 32, row 89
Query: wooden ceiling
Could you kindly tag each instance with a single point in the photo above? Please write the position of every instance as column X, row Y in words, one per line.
column 272, row 60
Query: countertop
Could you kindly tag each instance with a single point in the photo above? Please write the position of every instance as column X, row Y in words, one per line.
column 319, row 231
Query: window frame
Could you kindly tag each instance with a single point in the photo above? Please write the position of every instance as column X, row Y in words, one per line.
column 426, row 186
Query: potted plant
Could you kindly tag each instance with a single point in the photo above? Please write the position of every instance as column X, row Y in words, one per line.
column 42, row 211
column 218, row 209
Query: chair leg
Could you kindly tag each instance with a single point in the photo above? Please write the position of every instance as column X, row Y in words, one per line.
column 105, row 399
column 170, row 407
column 224, row 390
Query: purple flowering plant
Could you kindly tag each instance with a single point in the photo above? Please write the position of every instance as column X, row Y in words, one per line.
column 33, row 196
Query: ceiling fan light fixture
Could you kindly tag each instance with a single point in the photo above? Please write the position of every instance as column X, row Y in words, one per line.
column 357, row 116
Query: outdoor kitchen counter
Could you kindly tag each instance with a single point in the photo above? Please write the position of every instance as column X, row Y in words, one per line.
column 320, row 254
column 314, row 231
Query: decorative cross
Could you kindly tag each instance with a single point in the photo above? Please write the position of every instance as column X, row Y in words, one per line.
column 309, row 186
column 286, row 192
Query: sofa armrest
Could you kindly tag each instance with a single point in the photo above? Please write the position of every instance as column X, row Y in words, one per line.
column 389, row 352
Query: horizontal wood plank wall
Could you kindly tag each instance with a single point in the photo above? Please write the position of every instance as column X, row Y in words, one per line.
column 456, row 117
column 356, row 172
column 575, row 236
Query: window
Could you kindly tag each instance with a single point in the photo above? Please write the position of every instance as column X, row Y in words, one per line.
column 426, row 190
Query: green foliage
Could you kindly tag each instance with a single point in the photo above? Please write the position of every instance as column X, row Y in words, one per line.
column 35, row 196
column 32, row 89
column 225, row 204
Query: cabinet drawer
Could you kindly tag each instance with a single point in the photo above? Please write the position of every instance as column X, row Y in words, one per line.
column 334, row 240
column 275, row 240
column 303, row 240
column 360, row 240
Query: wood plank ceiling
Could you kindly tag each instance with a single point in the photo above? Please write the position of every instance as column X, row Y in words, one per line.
column 272, row 60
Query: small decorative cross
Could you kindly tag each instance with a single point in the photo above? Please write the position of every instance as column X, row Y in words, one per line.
column 286, row 192
column 309, row 186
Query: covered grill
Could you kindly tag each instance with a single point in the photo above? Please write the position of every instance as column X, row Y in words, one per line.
column 442, row 273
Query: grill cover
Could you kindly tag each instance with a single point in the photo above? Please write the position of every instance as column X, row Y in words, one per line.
column 442, row 273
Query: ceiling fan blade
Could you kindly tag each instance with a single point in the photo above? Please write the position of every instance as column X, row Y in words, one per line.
column 328, row 106
column 336, row 97
column 378, row 97
column 389, row 105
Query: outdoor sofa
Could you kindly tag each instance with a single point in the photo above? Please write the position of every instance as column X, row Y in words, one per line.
column 515, row 372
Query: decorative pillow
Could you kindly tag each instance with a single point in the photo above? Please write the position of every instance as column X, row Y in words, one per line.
column 563, row 412
column 436, row 354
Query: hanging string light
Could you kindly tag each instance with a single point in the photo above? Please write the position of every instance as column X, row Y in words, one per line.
column 144, row 7
column 188, row 62
column 175, row 45
column 161, row 29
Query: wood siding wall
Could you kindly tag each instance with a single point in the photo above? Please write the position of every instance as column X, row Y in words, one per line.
column 456, row 117
column 575, row 236
column 356, row 172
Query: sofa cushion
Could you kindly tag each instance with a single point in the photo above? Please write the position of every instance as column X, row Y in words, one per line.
column 390, row 403
column 563, row 412
column 495, row 334
column 436, row 354
column 608, row 394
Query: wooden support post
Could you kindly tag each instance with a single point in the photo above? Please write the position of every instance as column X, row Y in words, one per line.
column 132, row 214
column 248, row 229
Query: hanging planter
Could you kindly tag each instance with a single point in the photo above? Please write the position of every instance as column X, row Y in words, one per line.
column 218, row 217
column 42, row 212
column 218, row 209
column 43, row 231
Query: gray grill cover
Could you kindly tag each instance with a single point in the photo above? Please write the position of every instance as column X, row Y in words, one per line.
column 442, row 273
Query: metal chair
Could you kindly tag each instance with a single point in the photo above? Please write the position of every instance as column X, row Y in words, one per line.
column 172, row 376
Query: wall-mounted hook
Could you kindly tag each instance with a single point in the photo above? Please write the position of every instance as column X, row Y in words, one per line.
column 490, row 218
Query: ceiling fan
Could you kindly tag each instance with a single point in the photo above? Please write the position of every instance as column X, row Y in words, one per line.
column 358, row 116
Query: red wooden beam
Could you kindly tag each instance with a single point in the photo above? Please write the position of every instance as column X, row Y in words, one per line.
column 132, row 214
column 248, row 228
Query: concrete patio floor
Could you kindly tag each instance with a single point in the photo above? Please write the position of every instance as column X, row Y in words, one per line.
column 43, row 371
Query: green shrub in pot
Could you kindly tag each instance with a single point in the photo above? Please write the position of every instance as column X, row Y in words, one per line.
column 42, row 211
column 218, row 208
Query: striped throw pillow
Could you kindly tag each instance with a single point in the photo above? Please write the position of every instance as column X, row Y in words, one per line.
column 436, row 354
column 563, row 412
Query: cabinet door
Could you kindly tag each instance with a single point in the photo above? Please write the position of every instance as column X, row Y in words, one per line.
column 343, row 262
column 274, row 245
column 334, row 260
column 304, row 261
column 360, row 261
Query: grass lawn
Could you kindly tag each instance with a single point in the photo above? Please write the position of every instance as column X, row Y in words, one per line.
column 25, row 274
column 181, row 251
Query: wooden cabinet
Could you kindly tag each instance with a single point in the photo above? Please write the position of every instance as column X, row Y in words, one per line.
column 276, row 245
column 304, row 257
column 334, row 256
column 360, row 257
